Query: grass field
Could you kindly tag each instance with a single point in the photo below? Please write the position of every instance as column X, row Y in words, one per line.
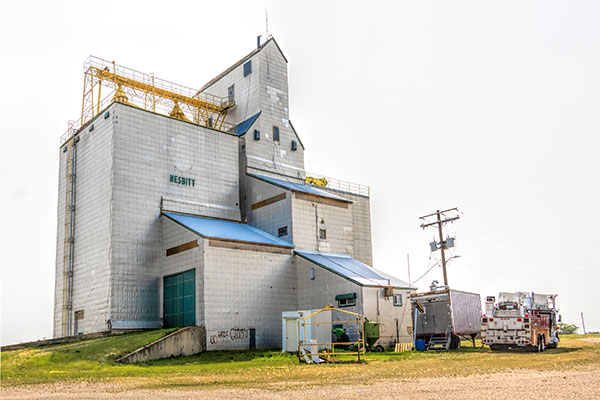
column 93, row 361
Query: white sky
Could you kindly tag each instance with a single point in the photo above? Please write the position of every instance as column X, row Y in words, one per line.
column 488, row 106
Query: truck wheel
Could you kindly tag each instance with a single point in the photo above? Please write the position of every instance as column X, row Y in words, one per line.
column 379, row 348
column 543, row 345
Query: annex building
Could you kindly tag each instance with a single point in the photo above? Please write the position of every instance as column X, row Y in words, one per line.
column 186, row 207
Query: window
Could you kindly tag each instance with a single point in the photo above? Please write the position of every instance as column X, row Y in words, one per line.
column 248, row 68
column 231, row 94
column 282, row 231
column 312, row 273
column 398, row 300
column 323, row 233
column 346, row 300
column 276, row 134
column 256, row 134
column 294, row 145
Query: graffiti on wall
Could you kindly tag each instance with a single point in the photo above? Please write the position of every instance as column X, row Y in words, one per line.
column 230, row 335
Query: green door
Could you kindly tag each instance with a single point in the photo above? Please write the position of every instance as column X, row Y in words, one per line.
column 179, row 299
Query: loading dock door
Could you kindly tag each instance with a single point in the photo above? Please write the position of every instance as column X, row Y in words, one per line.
column 179, row 299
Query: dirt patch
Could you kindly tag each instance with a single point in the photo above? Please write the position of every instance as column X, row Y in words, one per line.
column 581, row 383
column 590, row 339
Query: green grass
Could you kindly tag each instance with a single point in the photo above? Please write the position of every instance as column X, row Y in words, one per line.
column 93, row 360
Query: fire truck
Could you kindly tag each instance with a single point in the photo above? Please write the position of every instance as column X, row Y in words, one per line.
column 526, row 321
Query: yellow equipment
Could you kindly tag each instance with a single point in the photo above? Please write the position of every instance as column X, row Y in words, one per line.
column 313, row 351
column 316, row 181
column 149, row 93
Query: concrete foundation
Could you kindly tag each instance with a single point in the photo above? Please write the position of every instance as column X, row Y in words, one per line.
column 184, row 342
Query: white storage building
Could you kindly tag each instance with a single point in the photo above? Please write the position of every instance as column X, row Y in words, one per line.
column 170, row 220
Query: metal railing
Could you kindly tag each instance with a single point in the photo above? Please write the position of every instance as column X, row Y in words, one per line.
column 148, row 93
column 343, row 186
column 150, row 79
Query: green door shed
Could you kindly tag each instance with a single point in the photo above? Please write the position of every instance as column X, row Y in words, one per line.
column 179, row 299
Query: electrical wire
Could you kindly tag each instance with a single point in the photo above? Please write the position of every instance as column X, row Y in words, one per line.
column 495, row 271
column 526, row 245
column 426, row 272
column 544, row 265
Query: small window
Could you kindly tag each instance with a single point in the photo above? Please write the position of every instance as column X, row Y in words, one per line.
column 248, row 68
column 346, row 302
column 231, row 94
column 282, row 231
column 294, row 145
column 323, row 233
column 346, row 299
column 312, row 273
column 79, row 314
column 256, row 134
column 398, row 300
column 276, row 134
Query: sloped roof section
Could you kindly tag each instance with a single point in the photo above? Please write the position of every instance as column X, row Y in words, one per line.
column 297, row 136
column 226, row 230
column 299, row 187
column 240, row 62
column 351, row 269
column 243, row 126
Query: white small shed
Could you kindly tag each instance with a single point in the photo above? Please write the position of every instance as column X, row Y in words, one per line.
column 291, row 336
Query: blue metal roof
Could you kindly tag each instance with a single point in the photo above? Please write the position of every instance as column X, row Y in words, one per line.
column 300, row 187
column 351, row 269
column 226, row 230
column 243, row 126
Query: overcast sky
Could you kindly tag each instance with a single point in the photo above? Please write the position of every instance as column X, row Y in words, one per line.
column 491, row 107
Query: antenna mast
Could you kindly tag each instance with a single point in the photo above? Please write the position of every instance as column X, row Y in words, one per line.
column 267, row 22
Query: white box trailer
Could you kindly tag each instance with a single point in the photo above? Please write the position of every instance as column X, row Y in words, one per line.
column 444, row 315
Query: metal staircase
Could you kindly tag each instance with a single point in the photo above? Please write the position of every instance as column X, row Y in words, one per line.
column 440, row 342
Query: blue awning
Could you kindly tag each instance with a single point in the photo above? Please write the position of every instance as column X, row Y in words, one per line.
column 300, row 187
column 226, row 230
column 351, row 269
column 243, row 126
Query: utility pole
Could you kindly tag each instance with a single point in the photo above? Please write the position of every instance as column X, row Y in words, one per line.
column 443, row 244
column 408, row 262
column 582, row 323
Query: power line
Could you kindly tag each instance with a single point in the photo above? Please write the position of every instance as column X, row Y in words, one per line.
column 544, row 265
column 545, row 251
column 536, row 253
column 426, row 272
column 495, row 271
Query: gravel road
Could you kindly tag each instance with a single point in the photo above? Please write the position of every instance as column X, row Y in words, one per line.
column 582, row 383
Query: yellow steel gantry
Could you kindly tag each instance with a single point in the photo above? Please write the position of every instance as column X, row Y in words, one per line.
column 326, row 350
column 150, row 93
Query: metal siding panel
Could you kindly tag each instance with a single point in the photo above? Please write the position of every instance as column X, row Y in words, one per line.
column 466, row 312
